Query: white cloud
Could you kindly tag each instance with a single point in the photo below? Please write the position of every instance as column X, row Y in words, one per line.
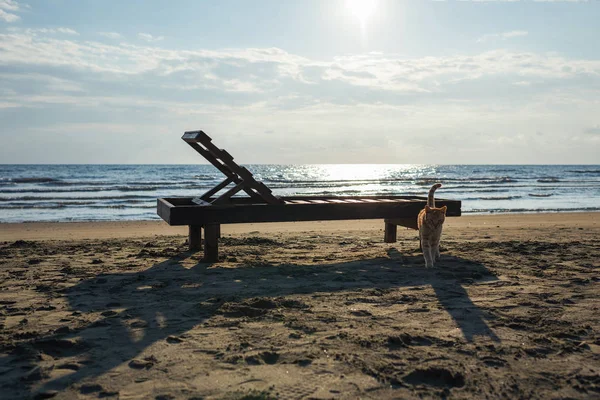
column 44, row 31
column 67, row 31
column 502, row 36
column 10, row 5
column 511, row 34
column 49, row 82
column 5, row 7
column 149, row 38
column 268, row 70
column 110, row 35
column 8, row 17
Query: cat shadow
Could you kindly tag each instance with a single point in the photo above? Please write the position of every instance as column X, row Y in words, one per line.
column 449, row 275
column 120, row 315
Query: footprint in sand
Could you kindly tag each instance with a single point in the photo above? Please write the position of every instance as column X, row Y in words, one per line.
column 61, row 347
column 266, row 357
column 434, row 376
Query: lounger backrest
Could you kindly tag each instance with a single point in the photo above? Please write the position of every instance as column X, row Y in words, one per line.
column 239, row 176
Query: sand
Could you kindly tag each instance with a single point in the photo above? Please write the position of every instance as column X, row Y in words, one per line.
column 302, row 311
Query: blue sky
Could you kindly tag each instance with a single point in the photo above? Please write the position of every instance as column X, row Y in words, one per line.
column 310, row 81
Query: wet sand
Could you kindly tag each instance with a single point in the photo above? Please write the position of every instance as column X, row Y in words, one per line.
column 305, row 310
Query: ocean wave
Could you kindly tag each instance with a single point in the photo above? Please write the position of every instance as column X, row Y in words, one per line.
column 205, row 177
column 105, row 189
column 72, row 206
column 476, row 170
column 122, row 206
column 548, row 180
column 489, row 187
column 113, row 183
column 527, row 210
column 482, row 185
column 423, row 188
column 490, row 190
column 585, row 171
column 32, row 206
column 53, row 198
column 500, row 198
column 300, row 182
column 357, row 193
column 408, row 179
column 34, row 179
column 541, row 194
column 475, row 181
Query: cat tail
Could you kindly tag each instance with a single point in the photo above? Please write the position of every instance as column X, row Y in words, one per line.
column 430, row 199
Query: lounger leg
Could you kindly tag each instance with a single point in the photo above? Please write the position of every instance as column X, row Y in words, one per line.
column 390, row 233
column 195, row 237
column 211, row 242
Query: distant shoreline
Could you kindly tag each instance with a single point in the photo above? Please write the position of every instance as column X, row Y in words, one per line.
column 132, row 229
column 158, row 220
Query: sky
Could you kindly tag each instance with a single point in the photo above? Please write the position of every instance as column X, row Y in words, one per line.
column 306, row 81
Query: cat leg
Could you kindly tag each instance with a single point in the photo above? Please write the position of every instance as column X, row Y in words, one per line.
column 428, row 254
column 435, row 251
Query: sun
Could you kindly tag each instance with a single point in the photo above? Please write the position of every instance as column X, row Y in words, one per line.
column 362, row 9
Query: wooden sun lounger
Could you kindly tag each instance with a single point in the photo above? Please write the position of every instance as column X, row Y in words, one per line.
column 210, row 210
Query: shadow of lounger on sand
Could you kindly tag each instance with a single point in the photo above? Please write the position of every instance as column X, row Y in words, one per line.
column 168, row 300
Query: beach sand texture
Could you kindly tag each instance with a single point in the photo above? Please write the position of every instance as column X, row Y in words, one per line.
column 305, row 310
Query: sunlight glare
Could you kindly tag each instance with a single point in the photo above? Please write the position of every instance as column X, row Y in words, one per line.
column 362, row 9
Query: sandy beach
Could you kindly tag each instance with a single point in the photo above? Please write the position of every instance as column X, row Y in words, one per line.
column 319, row 310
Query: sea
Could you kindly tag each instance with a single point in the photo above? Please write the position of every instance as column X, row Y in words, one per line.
column 31, row 193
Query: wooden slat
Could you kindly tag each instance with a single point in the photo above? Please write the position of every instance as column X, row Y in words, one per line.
column 263, row 187
column 200, row 202
column 211, row 147
column 213, row 160
column 252, row 193
column 259, row 187
column 227, row 195
column 225, row 155
column 196, row 136
column 220, row 186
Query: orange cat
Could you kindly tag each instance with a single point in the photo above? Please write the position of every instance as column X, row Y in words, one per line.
column 430, row 222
